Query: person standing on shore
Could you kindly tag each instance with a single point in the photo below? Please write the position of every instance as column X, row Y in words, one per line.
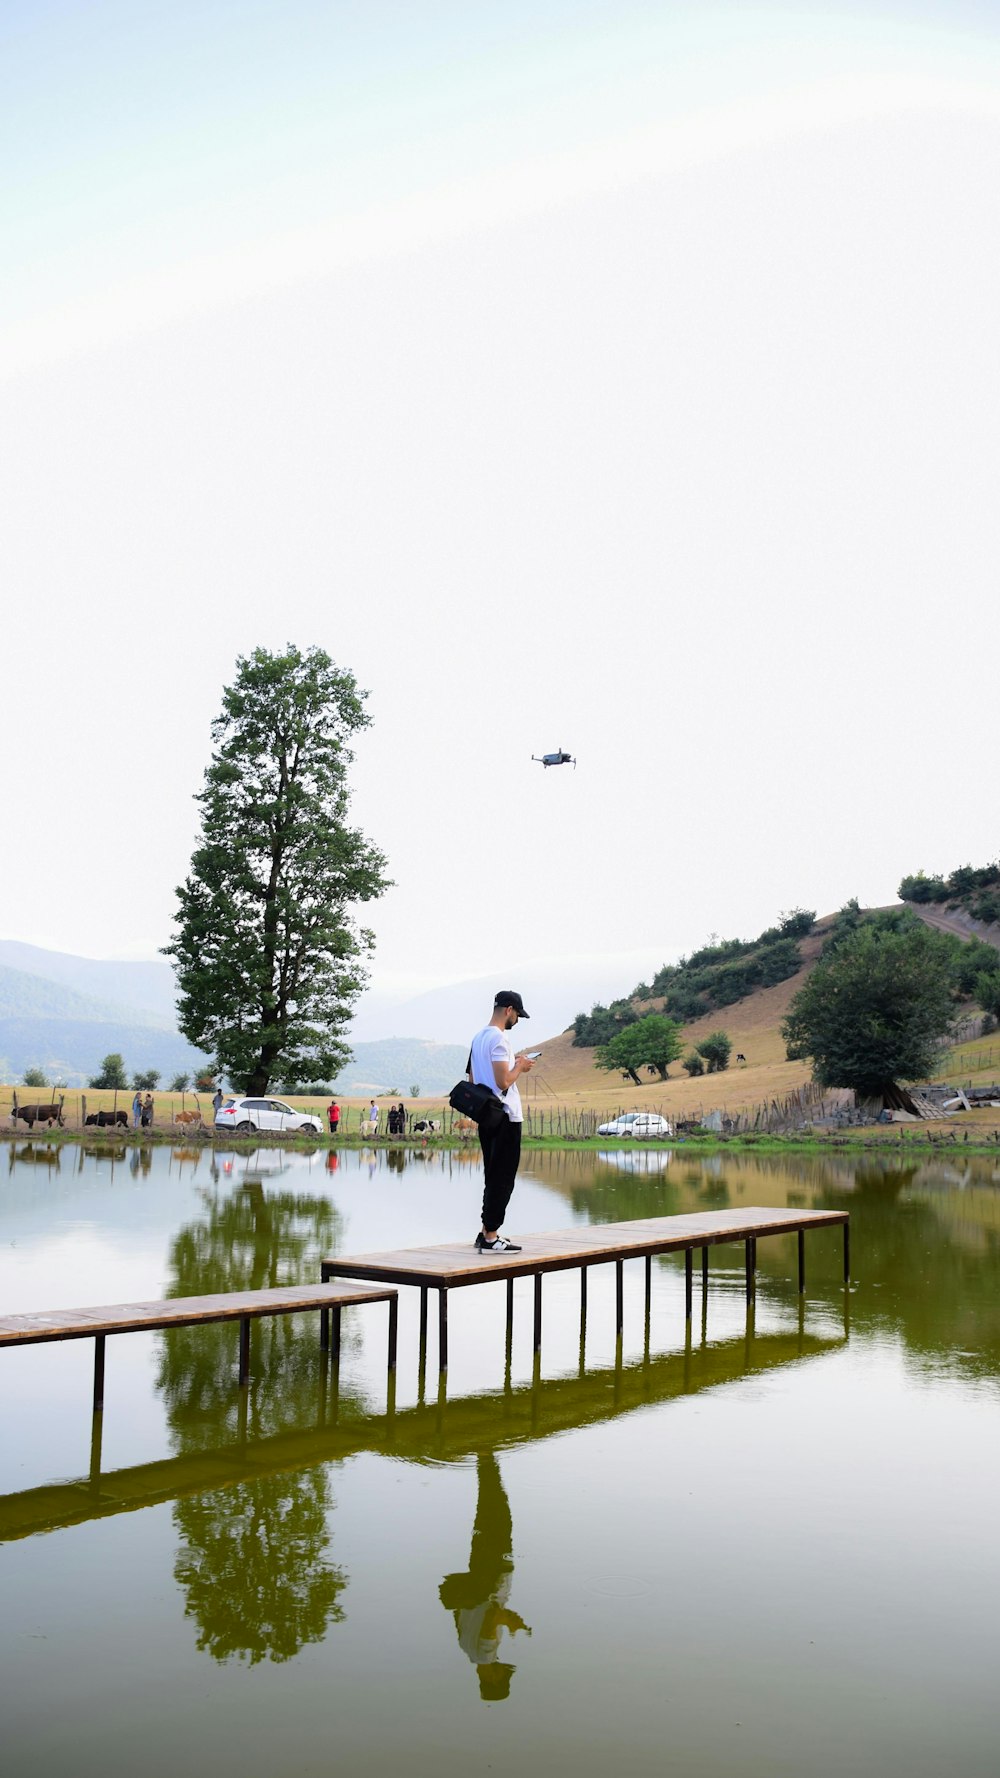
column 334, row 1116
column 493, row 1064
column 136, row 1109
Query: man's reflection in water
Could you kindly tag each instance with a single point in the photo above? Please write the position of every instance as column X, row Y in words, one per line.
column 478, row 1599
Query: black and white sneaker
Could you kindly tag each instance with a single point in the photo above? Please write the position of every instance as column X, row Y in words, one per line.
column 500, row 1245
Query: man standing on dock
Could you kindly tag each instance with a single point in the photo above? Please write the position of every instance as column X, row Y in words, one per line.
column 493, row 1064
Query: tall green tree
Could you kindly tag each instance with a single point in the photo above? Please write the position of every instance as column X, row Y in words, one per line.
column 875, row 1009
column 653, row 1042
column 267, row 950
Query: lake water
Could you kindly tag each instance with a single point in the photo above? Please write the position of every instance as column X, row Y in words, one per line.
column 763, row 1549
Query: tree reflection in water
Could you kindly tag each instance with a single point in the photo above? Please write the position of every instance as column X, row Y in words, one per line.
column 253, row 1563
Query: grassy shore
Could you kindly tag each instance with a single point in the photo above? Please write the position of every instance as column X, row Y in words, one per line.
column 972, row 1137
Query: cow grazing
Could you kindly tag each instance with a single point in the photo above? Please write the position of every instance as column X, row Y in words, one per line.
column 424, row 1126
column 187, row 1117
column 107, row 1119
column 39, row 1114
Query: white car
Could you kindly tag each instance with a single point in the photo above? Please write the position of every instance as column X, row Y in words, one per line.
column 637, row 1123
column 241, row 1117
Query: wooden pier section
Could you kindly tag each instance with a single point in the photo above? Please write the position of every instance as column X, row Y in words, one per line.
column 243, row 1306
column 459, row 1265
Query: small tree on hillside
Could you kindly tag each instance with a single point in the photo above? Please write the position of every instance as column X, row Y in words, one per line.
column 267, row 952
column 180, row 1083
column 415, row 1092
column 693, row 1064
column 874, row 1011
column 653, row 1042
column 148, row 1082
column 112, row 1073
column 35, row 1077
column 716, row 1051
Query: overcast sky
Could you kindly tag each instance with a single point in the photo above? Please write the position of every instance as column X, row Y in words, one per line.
column 616, row 377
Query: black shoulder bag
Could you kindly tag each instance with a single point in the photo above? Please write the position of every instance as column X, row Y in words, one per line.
column 479, row 1103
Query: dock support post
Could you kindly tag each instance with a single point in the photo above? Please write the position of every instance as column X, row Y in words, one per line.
column 244, row 1349
column 99, row 1374
column 649, row 1287
column 96, row 1429
column 422, row 1353
column 538, row 1313
column 847, row 1253
column 749, row 1271
column 583, row 1302
column 619, row 1297
column 704, row 1273
column 442, row 1330
column 510, row 1311
column 688, row 1288
column 802, row 1261
column 335, row 1335
column 393, row 1331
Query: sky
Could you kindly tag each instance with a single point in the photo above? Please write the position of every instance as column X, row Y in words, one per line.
column 620, row 378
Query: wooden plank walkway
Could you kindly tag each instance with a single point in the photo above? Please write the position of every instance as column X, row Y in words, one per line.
column 458, row 1265
column 243, row 1306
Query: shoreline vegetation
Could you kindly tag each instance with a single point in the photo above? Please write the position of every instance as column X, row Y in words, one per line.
column 970, row 1137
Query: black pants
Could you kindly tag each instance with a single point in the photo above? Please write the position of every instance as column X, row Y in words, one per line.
column 501, row 1158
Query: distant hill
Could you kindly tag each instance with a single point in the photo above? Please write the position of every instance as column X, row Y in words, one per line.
column 67, row 1034
column 402, row 1062
column 147, row 989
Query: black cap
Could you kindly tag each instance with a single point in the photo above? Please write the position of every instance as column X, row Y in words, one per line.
column 507, row 997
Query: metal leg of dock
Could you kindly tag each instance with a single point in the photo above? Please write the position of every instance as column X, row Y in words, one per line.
column 649, row 1285
column 96, row 1431
column 99, row 1373
column 749, row 1271
column 510, row 1312
column 802, row 1260
column 393, row 1332
column 423, row 1326
column 704, row 1273
column 688, row 1285
column 537, row 1346
column 442, row 1330
column 244, row 1349
column 619, row 1297
column 847, row 1253
column 583, row 1303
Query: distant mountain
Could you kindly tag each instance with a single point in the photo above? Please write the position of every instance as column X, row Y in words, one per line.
column 67, row 1034
column 402, row 1062
column 146, row 988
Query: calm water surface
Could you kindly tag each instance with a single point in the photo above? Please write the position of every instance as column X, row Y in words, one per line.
column 769, row 1548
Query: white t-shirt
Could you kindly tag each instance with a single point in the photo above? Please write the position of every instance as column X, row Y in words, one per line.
column 488, row 1046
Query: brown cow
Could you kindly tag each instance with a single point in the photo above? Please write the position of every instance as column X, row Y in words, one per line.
column 187, row 1117
column 40, row 1114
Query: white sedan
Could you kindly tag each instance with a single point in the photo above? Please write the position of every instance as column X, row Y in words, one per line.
column 241, row 1117
column 637, row 1123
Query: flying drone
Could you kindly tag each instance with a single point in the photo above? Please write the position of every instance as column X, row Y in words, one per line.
column 554, row 759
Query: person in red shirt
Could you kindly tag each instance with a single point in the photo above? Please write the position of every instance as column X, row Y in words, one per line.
column 333, row 1112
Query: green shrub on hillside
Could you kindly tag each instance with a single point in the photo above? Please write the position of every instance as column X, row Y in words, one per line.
column 694, row 1064
column 975, row 888
column 716, row 1050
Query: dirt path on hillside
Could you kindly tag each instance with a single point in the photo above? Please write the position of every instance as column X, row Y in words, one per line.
column 957, row 922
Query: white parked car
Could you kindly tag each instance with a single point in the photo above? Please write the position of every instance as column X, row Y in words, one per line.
column 637, row 1123
column 241, row 1117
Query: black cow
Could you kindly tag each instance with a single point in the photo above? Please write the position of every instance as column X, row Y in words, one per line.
column 105, row 1118
column 40, row 1114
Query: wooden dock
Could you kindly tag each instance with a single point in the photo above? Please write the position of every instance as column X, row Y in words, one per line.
column 243, row 1306
column 458, row 1265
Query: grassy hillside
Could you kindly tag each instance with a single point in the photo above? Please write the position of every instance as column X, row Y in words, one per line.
column 567, row 1074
